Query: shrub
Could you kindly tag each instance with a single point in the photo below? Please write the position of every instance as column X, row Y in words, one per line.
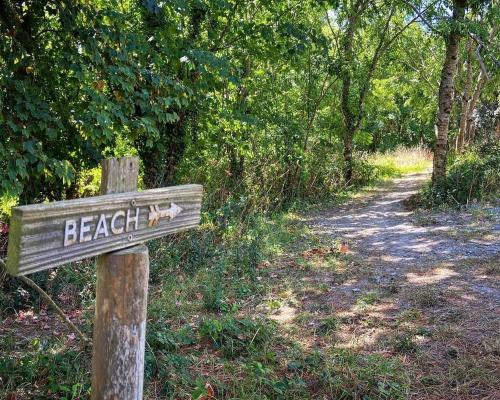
column 472, row 176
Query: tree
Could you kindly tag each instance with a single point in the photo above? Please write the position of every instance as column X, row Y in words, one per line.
column 446, row 91
column 374, row 26
column 466, row 96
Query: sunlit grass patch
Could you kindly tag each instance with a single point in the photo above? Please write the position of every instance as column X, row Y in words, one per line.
column 402, row 161
column 367, row 299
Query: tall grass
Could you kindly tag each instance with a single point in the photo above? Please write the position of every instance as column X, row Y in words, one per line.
column 401, row 161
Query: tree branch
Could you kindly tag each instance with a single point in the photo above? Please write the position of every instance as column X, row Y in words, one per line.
column 226, row 28
column 480, row 46
column 373, row 65
column 49, row 300
column 422, row 18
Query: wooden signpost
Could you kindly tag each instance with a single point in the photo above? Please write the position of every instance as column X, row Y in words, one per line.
column 112, row 226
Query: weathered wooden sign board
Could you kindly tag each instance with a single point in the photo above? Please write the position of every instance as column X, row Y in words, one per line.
column 47, row 235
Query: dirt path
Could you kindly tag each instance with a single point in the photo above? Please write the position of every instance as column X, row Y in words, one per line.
column 381, row 229
column 396, row 242
column 419, row 287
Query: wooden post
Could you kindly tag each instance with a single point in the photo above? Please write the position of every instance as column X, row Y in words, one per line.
column 121, row 302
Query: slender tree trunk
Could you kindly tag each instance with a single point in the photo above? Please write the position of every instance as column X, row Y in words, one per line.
column 347, row 112
column 236, row 159
column 160, row 162
column 466, row 98
column 445, row 97
column 470, row 124
column 497, row 127
column 353, row 115
column 348, row 146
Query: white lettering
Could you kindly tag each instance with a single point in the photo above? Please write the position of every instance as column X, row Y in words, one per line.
column 84, row 228
column 114, row 229
column 81, row 231
column 102, row 227
column 134, row 219
column 70, row 232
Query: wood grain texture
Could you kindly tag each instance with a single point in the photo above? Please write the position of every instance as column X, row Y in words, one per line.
column 120, row 324
column 121, row 303
column 36, row 239
column 119, row 175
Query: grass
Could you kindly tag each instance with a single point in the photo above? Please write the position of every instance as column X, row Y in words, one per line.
column 427, row 297
column 367, row 299
column 401, row 161
column 204, row 330
column 214, row 327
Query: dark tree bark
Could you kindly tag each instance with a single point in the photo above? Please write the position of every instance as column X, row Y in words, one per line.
column 236, row 159
column 446, row 91
column 160, row 162
column 351, row 121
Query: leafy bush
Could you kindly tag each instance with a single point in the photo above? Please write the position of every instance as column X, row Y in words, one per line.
column 472, row 176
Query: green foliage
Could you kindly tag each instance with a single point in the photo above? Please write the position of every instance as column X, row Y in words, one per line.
column 473, row 176
column 244, row 98
column 256, row 123
column 6, row 203
column 70, row 87
column 65, row 375
column 163, row 339
column 237, row 336
column 89, row 182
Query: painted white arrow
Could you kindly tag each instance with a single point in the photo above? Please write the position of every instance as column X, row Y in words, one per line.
column 155, row 213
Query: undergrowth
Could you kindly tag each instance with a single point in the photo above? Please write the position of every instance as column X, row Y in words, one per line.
column 472, row 176
column 201, row 338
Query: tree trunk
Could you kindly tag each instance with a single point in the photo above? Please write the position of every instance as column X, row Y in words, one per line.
column 348, row 114
column 466, row 98
column 161, row 161
column 445, row 97
column 470, row 124
column 497, row 127
column 353, row 115
column 236, row 158
column 348, row 145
